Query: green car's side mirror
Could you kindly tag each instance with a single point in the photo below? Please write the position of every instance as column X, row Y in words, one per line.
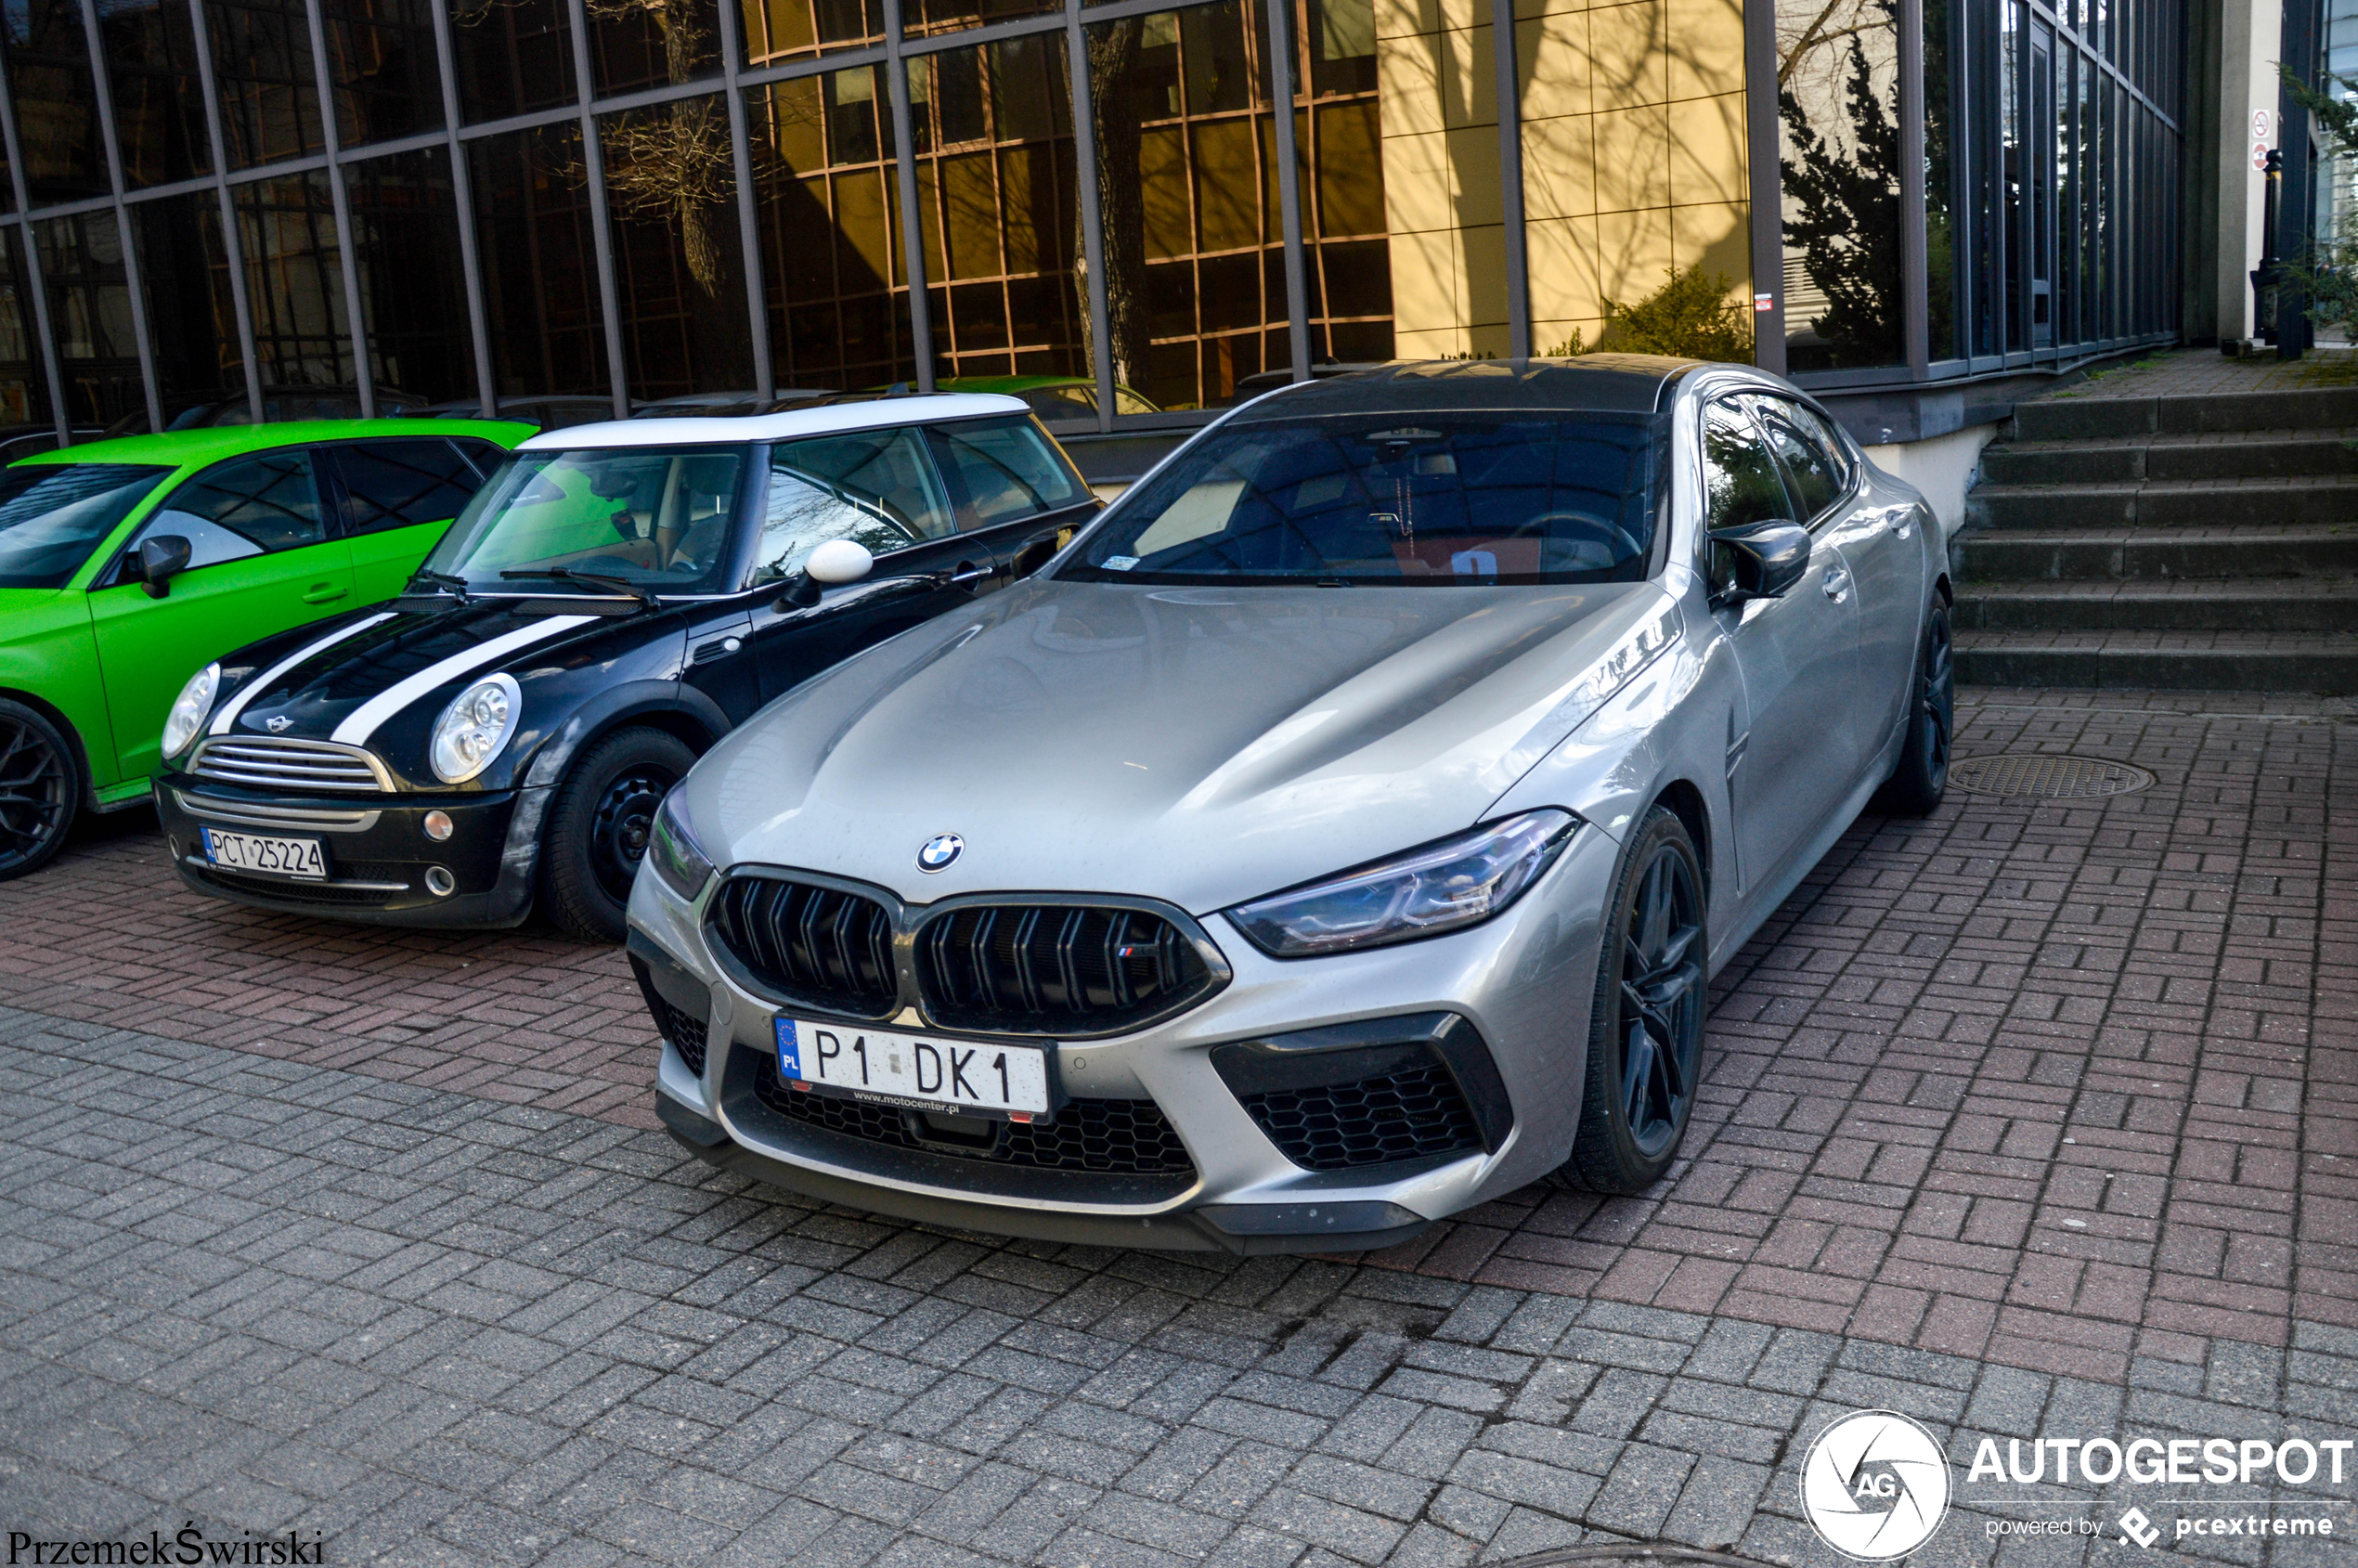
column 162, row 555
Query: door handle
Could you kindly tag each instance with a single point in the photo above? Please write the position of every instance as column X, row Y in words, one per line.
column 324, row 593
column 1836, row 584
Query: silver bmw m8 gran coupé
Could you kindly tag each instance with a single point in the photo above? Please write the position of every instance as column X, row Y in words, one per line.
column 1339, row 832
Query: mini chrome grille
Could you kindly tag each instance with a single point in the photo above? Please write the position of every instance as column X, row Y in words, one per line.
column 267, row 763
column 1054, row 969
column 249, row 813
column 819, row 945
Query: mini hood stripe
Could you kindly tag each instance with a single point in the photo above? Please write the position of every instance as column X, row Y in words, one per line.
column 362, row 721
column 261, row 683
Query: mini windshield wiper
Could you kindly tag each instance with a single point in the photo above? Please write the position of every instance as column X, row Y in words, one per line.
column 595, row 579
column 455, row 587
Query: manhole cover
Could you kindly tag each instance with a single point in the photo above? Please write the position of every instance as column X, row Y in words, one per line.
column 2048, row 777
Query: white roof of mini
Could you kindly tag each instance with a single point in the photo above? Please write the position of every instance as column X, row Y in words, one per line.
column 690, row 432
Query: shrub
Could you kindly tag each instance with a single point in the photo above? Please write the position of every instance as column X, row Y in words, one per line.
column 1690, row 316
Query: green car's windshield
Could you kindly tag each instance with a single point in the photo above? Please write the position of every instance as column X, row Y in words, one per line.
column 1427, row 498
column 53, row 516
column 653, row 516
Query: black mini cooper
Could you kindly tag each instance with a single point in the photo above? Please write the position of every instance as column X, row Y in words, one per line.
column 615, row 600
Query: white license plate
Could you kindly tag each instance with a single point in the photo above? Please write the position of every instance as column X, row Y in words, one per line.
column 873, row 1063
column 265, row 855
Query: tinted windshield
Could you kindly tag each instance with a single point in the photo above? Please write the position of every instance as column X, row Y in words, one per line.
column 1422, row 498
column 658, row 517
column 52, row 517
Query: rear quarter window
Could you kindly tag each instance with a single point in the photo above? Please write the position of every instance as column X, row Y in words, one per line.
column 1004, row 470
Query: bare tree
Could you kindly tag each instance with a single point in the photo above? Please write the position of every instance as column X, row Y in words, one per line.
column 1115, row 113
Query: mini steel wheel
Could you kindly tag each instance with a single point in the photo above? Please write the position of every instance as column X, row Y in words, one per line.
column 1645, row 1028
column 598, row 828
column 40, row 789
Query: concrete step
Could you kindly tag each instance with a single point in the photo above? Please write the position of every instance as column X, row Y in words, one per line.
column 2066, row 417
column 2262, row 454
column 2219, row 661
column 2288, row 604
column 2156, row 554
column 2178, row 502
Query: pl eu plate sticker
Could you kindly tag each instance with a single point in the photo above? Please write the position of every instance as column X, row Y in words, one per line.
column 789, row 1051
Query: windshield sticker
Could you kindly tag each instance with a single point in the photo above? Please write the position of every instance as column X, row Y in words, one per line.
column 1120, row 562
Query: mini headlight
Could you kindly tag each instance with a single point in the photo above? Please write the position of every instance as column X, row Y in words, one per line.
column 672, row 851
column 1442, row 886
column 189, row 708
column 473, row 727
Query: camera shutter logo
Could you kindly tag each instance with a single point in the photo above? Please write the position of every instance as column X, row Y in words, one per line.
column 1875, row 1486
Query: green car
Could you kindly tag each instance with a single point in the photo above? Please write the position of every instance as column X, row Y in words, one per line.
column 125, row 564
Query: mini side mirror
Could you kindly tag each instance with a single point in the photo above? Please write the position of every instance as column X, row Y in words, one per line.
column 161, row 555
column 1758, row 561
column 836, row 562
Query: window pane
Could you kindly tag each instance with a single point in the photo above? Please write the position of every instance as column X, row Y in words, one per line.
column 512, row 56
column 1942, row 173
column 781, row 30
column 1839, row 115
column 949, row 16
column 159, row 102
column 251, row 507
column 294, row 281
column 48, row 60
column 884, row 472
column 405, row 220
column 24, row 388
column 1192, row 246
column 540, row 265
column 1000, row 215
column 671, row 199
column 399, row 484
column 262, row 68
column 90, row 314
column 1813, row 477
column 185, row 270
column 381, row 57
column 1002, row 470
column 833, row 280
column 1740, row 478
column 635, row 44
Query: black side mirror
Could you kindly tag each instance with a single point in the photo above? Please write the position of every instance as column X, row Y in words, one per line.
column 161, row 555
column 803, row 593
column 1757, row 561
column 1033, row 556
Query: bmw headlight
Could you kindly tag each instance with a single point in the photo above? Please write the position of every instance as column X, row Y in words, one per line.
column 672, row 851
column 473, row 727
column 1442, row 886
column 189, row 708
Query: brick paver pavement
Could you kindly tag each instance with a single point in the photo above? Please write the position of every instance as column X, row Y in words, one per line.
column 2028, row 1113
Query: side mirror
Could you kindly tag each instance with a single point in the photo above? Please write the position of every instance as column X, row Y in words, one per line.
column 162, row 555
column 1033, row 556
column 1762, row 559
column 836, row 562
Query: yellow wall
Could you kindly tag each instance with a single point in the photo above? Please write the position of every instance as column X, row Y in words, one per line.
column 1633, row 147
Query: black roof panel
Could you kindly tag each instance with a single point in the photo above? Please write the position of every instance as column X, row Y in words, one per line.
column 1620, row 383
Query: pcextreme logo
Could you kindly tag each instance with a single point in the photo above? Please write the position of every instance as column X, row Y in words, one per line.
column 1875, row 1486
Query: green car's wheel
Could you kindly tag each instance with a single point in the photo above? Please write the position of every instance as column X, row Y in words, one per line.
column 598, row 828
column 40, row 787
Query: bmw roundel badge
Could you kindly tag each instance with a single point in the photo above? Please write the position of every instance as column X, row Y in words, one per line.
column 938, row 851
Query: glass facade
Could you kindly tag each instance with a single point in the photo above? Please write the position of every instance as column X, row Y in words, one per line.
column 1119, row 209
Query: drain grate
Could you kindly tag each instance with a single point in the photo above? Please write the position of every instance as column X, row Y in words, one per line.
column 2048, row 777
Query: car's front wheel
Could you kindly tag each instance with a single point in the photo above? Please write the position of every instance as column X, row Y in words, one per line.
column 598, row 828
column 1645, row 1027
column 40, row 788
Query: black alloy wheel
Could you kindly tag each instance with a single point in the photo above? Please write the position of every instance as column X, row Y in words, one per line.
column 598, row 823
column 1645, row 1039
column 1921, row 781
column 40, row 787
